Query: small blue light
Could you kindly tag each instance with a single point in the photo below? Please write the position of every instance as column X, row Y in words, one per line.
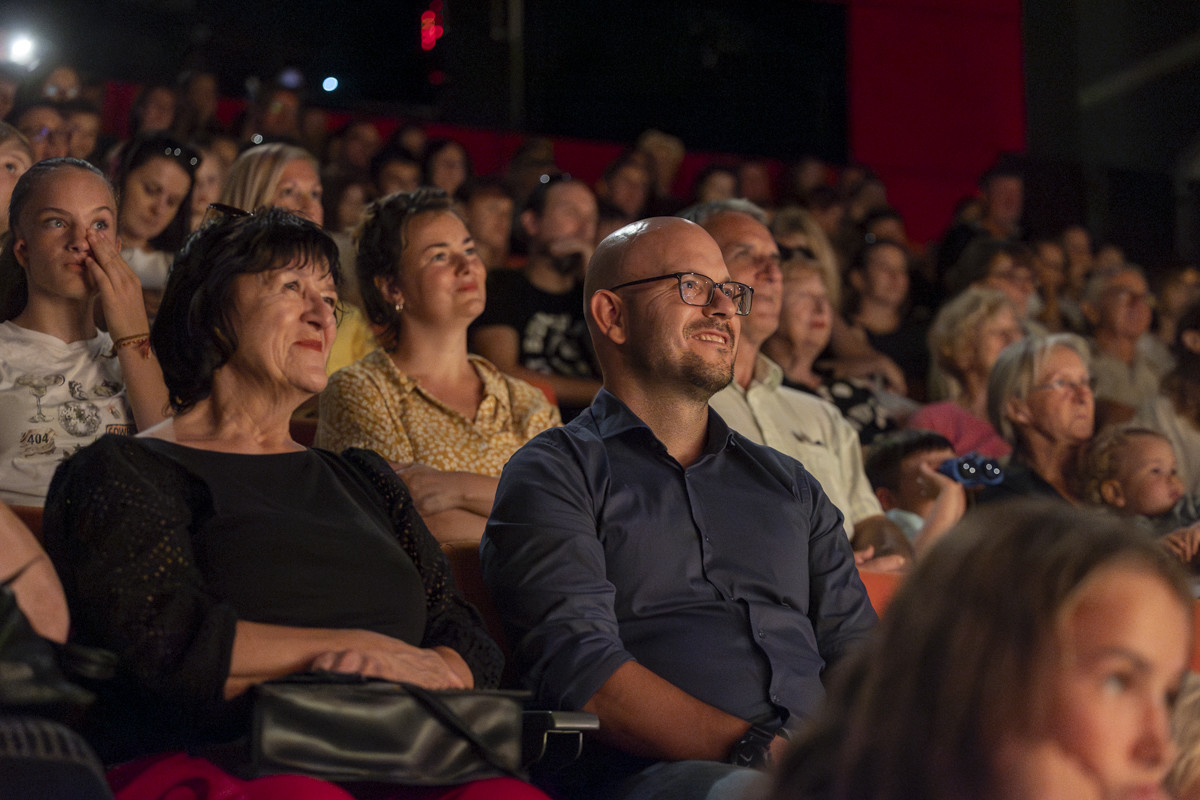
column 329, row 84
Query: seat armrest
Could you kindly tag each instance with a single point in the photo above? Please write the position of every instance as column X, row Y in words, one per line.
column 555, row 737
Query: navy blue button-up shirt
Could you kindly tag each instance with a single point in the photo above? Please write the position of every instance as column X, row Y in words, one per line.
column 732, row 579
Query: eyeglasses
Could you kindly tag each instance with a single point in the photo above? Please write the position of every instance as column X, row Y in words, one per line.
column 45, row 133
column 1062, row 385
column 800, row 251
column 697, row 290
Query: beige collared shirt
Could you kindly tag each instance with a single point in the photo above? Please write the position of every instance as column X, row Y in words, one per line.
column 808, row 429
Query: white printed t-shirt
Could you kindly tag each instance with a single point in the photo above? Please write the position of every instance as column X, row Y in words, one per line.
column 54, row 399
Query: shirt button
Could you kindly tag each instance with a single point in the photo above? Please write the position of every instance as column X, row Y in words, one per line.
column 774, row 698
column 761, row 635
column 785, row 605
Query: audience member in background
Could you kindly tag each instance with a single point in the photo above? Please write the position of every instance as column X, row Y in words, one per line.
column 11, row 76
column 488, row 211
column 61, row 84
column 965, row 339
column 1118, row 309
column 1040, row 399
column 921, row 501
column 196, row 112
column 63, row 383
column 45, row 128
column 153, row 109
column 83, row 131
column 351, row 149
column 757, row 406
column 285, row 176
column 409, row 136
column 15, row 160
column 997, row 264
column 343, row 202
column 1175, row 412
column 626, row 184
column 667, row 153
column 754, row 184
column 393, row 169
column 1081, row 261
column 154, row 184
column 796, row 229
column 446, row 165
column 1038, row 649
column 714, row 183
column 1133, row 470
column 533, row 327
column 1176, row 289
column 1050, row 274
column 166, row 531
column 1002, row 189
column 805, row 325
column 878, row 315
column 828, row 209
column 803, row 176
column 273, row 116
column 206, row 185
column 450, row 419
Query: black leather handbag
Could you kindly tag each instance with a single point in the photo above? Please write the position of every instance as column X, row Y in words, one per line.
column 346, row 728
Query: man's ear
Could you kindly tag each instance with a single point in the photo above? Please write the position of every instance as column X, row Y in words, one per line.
column 608, row 313
column 1111, row 493
column 530, row 223
column 388, row 287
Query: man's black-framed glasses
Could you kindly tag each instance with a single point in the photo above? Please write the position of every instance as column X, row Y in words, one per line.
column 697, row 290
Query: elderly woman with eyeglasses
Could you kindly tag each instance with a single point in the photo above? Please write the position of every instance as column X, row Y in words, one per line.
column 450, row 419
column 1040, row 399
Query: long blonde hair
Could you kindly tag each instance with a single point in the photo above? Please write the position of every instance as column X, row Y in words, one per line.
column 254, row 176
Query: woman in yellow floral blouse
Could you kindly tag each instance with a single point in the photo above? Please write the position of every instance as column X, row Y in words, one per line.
column 449, row 420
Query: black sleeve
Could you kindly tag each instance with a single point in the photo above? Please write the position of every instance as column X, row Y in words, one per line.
column 452, row 621
column 507, row 303
column 117, row 525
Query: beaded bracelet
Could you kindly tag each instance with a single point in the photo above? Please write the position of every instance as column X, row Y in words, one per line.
column 139, row 340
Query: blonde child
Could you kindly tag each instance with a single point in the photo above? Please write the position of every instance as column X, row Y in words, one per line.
column 1133, row 471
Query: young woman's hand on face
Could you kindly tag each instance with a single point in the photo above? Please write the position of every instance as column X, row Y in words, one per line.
column 119, row 288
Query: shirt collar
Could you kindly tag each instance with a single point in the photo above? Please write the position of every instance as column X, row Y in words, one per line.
column 612, row 418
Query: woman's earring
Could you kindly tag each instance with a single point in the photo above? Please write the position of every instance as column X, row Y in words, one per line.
column 399, row 306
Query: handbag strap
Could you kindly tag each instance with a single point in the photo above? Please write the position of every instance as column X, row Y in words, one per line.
column 447, row 717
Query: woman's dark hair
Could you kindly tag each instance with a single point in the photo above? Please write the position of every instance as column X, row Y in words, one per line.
column 959, row 662
column 14, row 285
column 193, row 334
column 159, row 145
column 380, row 241
column 138, row 111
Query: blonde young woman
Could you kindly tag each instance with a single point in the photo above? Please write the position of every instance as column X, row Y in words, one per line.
column 450, row 419
column 285, row 176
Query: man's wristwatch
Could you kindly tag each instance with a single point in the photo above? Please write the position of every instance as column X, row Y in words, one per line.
column 753, row 749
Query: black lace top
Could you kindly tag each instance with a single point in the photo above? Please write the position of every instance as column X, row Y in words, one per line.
column 163, row 548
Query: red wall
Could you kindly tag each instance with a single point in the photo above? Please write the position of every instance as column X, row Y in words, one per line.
column 935, row 91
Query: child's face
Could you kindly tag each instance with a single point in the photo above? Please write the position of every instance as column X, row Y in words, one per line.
column 915, row 492
column 1148, row 482
column 1124, row 647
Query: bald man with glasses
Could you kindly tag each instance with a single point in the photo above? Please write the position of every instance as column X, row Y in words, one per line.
column 653, row 566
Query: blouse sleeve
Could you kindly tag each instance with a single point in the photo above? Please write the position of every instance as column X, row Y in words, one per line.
column 532, row 412
column 354, row 412
column 451, row 621
column 117, row 526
